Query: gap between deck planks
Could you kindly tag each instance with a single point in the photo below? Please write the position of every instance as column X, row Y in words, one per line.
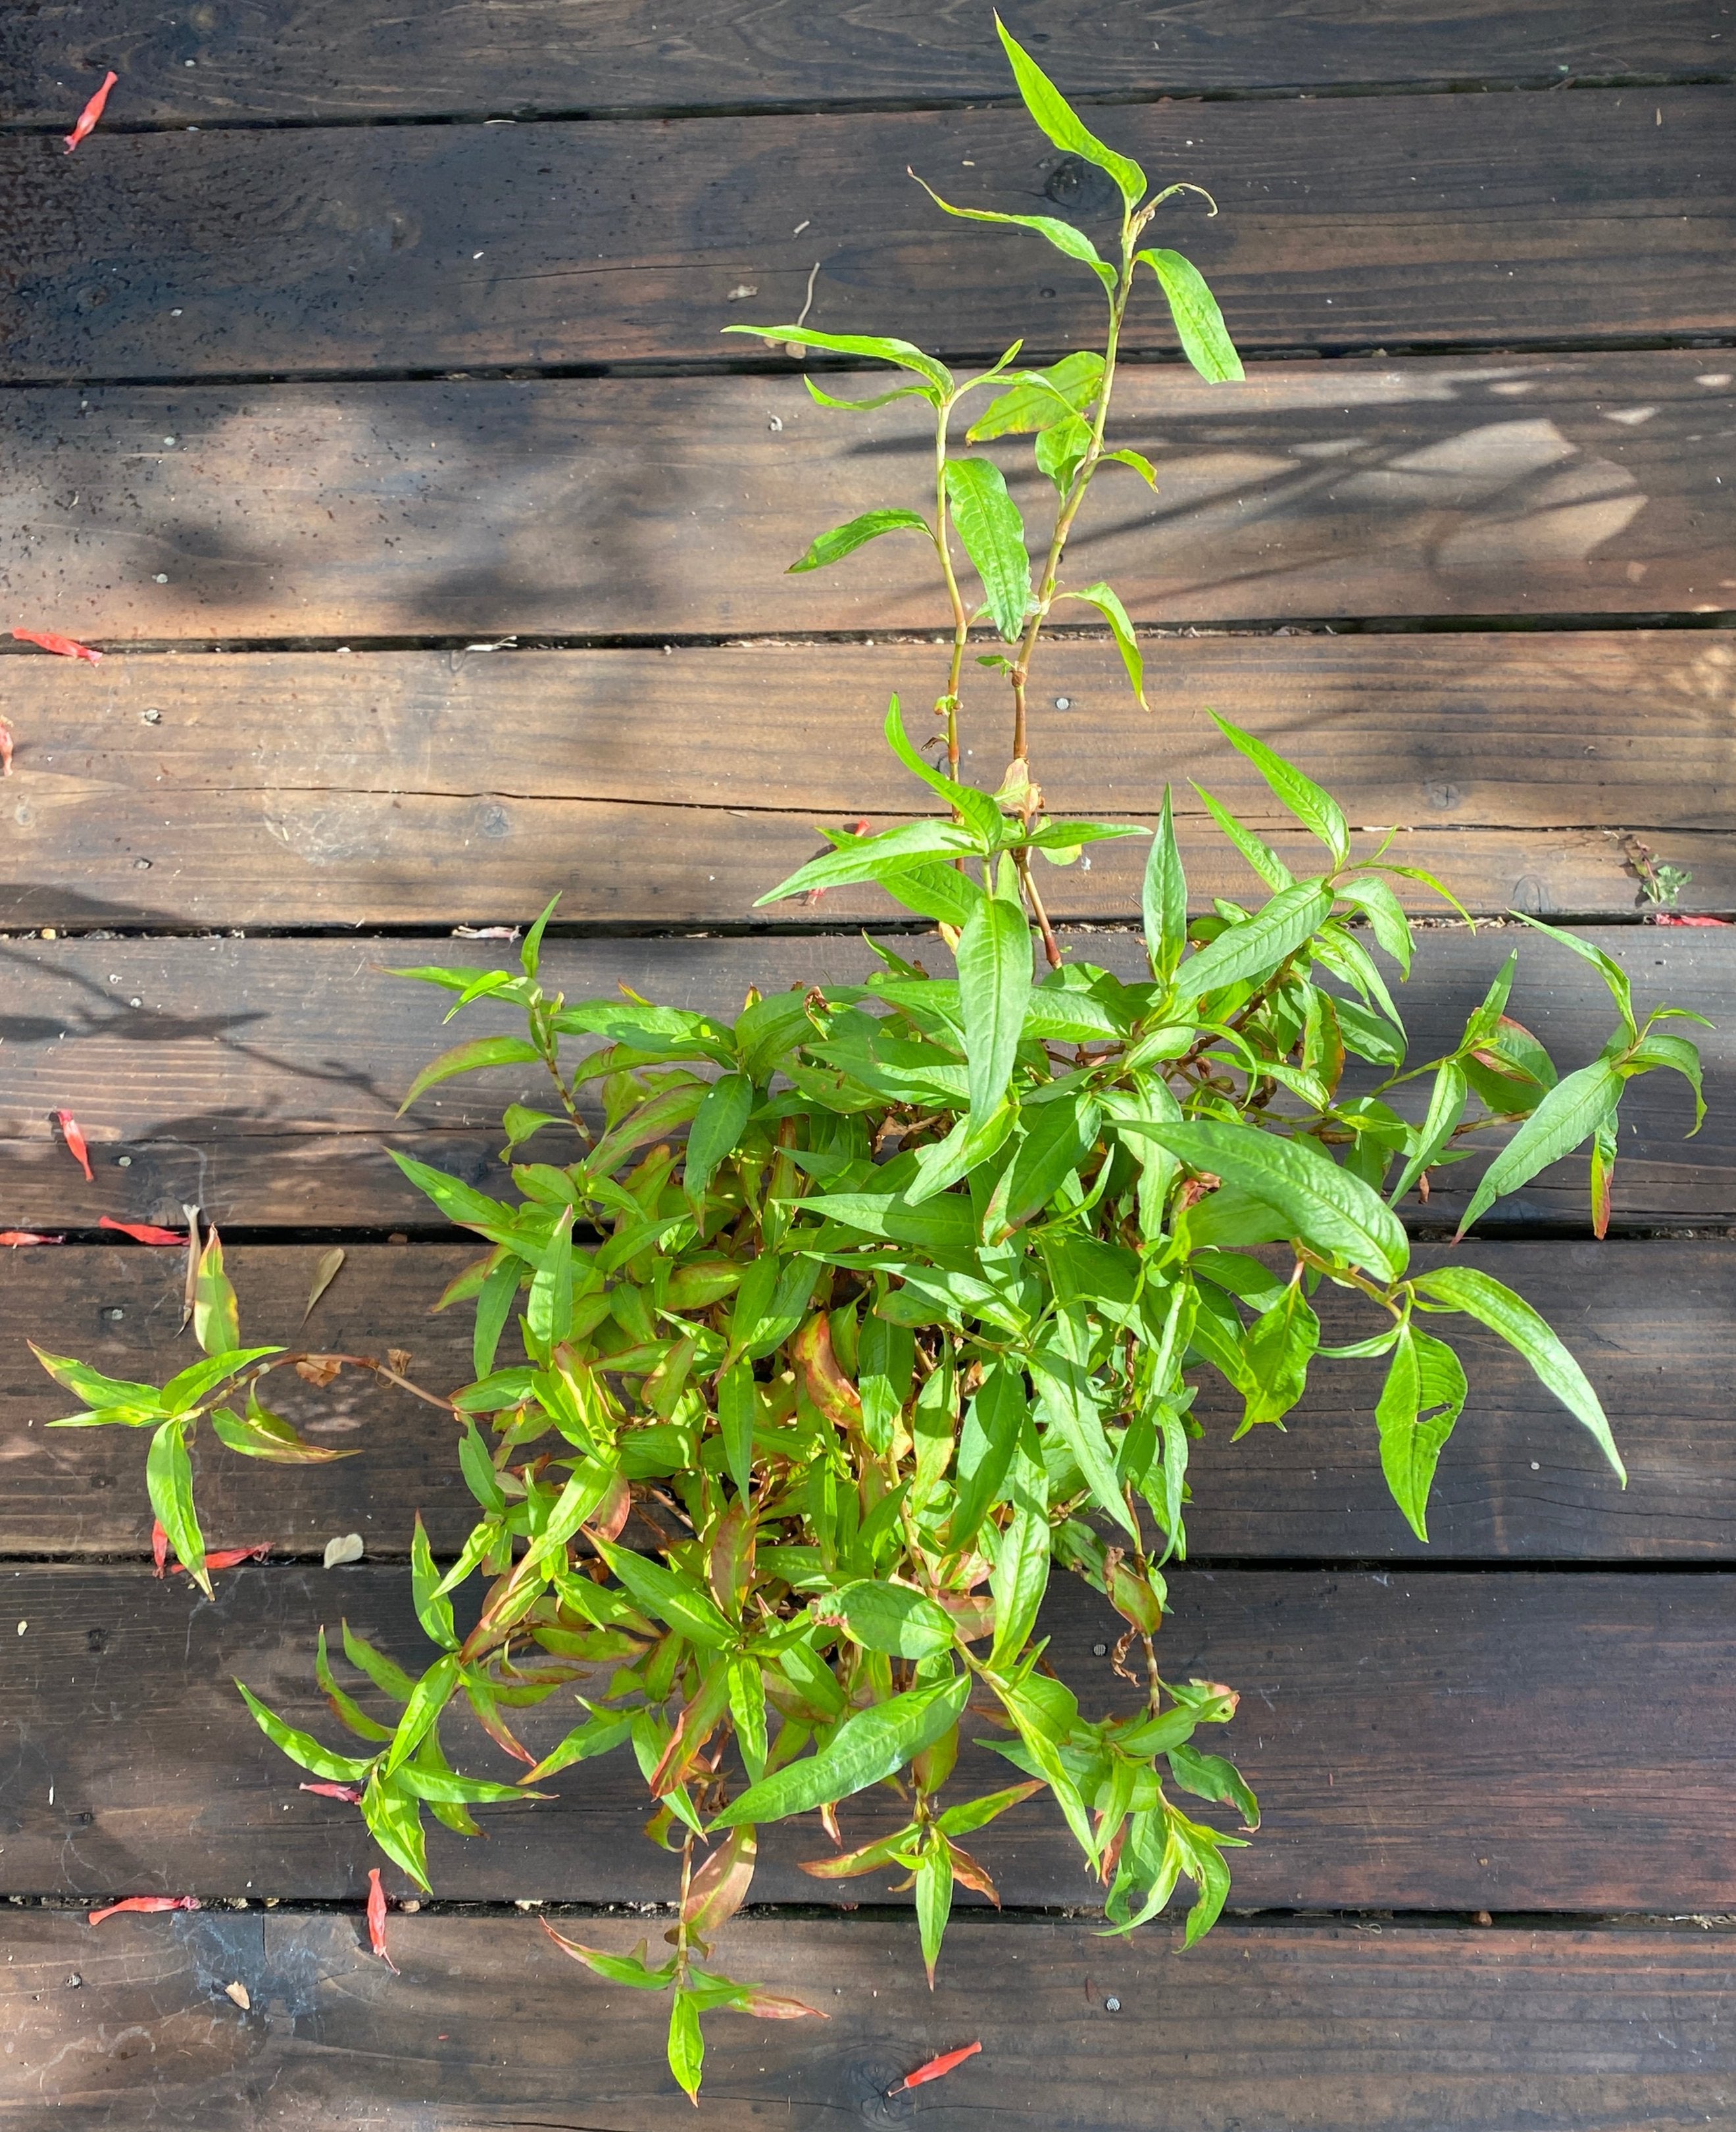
column 1437, row 220
column 424, row 786
column 1432, row 1740
column 1368, row 2028
column 261, row 1078
column 325, row 60
column 1478, row 486
column 1519, row 1480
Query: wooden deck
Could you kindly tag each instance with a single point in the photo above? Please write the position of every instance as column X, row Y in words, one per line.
column 366, row 405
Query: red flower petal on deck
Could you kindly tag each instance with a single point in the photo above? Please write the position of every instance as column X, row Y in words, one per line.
column 158, row 1547
column 75, row 1146
column 92, row 110
column 63, row 647
column 16, row 1237
column 146, row 1902
column 376, row 1918
column 141, row 1232
column 934, row 2068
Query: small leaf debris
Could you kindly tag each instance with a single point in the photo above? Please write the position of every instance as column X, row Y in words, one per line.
column 324, row 1274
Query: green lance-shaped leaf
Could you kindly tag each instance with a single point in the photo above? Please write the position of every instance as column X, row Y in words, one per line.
column 100, row 1393
column 867, row 1748
column 1261, row 857
column 1039, row 399
column 302, row 1747
column 1062, row 124
column 1446, row 1103
column 394, row 1820
column 169, row 1480
column 1214, row 1777
column 877, row 347
column 530, row 953
column 1481, row 1296
column 599, row 1735
column 1570, row 1113
column 933, row 1901
column 470, row 1059
column 259, row 1434
column 1107, row 604
column 1199, row 325
column 1621, row 987
column 1325, row 1206
column 1066, row 1400
column 891, row 1618
column 994, row 957
column 427, row 1698
column 1314, row 809
column 681, row 1601
column 1062, row 235
column 433, row 1609
column 1021, row 1573
column 389, row 1677
column 686, row 2048
column 216, row 1317
column 993, row 532
column 1680, row 1056
column 716, row 1130
column 1375, row 898
column 737, row 1404
column 1258, row 949
column 981, row 814
column 845, row 539
column 1164, row 899
column 910, row 847
column 1423, row 1396
column 184, row 1391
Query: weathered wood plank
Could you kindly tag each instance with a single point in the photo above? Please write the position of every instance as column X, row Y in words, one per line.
column 1419, row 1740
column 326, row 61
column 432, row 786
column 662, row 506
column 1436, row 220
column 261, row 1078
column 1369, row 2029
column 1519, row 1480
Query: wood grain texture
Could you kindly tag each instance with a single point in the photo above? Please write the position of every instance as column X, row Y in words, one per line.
column 1367, row 2028
column 424, row 786
column 1493, row 1741
column 261, row 1078
column 1346, row 223
column 263, row 59
column 1575, row 484
column 1519, row 1480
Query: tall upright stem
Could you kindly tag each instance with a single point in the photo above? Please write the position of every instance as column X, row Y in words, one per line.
column 960, row 619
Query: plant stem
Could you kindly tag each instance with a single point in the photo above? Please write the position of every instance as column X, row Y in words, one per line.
column 960, row 618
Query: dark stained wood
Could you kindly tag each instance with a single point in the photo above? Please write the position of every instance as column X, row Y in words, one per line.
column 1519, row 1480
column 266, row 60
column 661, row 507
column 1435, row 220
column 262, row 1077
column 1419, row 1740
column 420, row 786
column 1369, row 2029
